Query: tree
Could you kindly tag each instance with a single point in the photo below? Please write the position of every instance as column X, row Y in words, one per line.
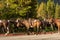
column 26, row 8
column 50, row 8
column 18, row 8
column 6, row 11
column 57, row 11
column 42, row 10
column 33, row 11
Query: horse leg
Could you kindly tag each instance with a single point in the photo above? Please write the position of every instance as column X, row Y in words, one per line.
column 27, row 31
column 52, row 26
column 3, row 30
column 40, row 28
column 58, row 29
column 7, row 29
column 37, row 30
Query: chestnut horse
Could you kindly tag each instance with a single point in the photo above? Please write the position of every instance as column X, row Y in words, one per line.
column 24, row 23
column 57, row 22
column 19, row 22
column 29, row 23
column 36, row 24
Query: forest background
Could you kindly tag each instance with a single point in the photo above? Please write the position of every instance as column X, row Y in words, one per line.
column 12, row 9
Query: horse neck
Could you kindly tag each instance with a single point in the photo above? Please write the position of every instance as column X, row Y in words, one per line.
column 26, row 23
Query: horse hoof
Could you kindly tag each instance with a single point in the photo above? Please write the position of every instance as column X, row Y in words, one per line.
column 58, row 33
column 28, row 33
column 5, row 34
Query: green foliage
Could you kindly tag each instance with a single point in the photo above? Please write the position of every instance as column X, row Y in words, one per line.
column 23, row 11
column 50, row 8
column 46, row 10
column 13, row 6
column 57, row 11
column 17, row 8
column 22, row 8
column 42, row 10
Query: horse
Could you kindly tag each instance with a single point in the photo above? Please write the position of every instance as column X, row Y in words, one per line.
column 49, row 22
column 19, row 22
column 45, row 24
column 36, row 23
column 13, row 25
column 1, row 25
column 57, row 22
column 5, row 25
column 23, row 23
column 29, row 23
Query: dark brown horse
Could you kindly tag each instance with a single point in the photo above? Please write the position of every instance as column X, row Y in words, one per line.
column 14, row 24
column 4, row 24
column 50, row 22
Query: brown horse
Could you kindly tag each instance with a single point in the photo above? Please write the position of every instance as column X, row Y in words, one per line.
column 1, row 25
column 50, row 22
column 29, row 23
column 57, row 22
column 4, row 24
column 36, row 23
column 24, row 23
column 18, row 22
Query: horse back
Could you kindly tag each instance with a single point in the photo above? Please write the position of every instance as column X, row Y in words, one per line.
column 57, row 21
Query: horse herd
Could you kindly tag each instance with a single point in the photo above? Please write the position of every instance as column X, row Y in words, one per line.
column 29, row 23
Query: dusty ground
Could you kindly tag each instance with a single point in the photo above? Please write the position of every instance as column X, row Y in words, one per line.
column 54, row 36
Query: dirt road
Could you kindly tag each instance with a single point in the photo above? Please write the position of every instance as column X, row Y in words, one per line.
column 54, row 36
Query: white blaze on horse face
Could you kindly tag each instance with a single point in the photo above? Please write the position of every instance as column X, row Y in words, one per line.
column 31, row 26
column 44, row 19
column 8, row 20
column 0, row 21
column 35, row 20
column 16, row 20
